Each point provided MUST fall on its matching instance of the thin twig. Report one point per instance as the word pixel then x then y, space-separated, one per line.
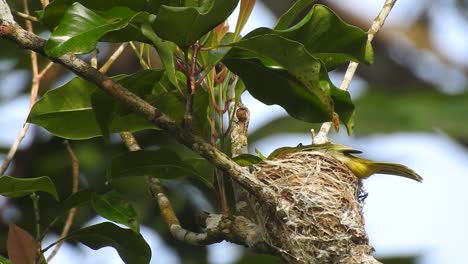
pixel 321 136
pixel 113 57
pixel 35 82
pixel 11 153
pixel 167 211
pixel 71 213
pixel 25 16
pixel 94 61
pixel 46 69
pixel 37 215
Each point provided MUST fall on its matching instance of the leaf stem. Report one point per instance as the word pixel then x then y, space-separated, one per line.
pixel 377 24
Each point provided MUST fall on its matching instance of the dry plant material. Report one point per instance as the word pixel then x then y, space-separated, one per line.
pixel 318 217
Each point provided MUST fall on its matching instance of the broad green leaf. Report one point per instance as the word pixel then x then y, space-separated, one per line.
pixel 161 163
pixel 60 106
pixel 80 28
pixel 18 187
pixel 77 199
pixel 108 111
pixel 185 25
pixel 289 67
pixel 114 207
pixel 57 8
pixel 4 260
pixel 204 169
pixel 73 102
pixel 279 71
pixel 154 5
pixel 171 102
pixel 327 37
pixel 165 50
pixel 247 159
pixel 289 16
pixel 201 126
pixel 130 246
pixel 22 247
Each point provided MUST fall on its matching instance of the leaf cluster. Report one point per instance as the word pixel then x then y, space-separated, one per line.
pixel 203 69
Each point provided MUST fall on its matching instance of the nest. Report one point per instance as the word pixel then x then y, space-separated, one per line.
pixel 318 215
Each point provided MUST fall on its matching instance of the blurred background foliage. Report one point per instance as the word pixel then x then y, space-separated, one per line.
pixel 415 85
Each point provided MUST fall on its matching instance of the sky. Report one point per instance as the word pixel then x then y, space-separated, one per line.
pixel 402 216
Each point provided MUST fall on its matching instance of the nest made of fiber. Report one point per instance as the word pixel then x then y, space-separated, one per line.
pixel 318 215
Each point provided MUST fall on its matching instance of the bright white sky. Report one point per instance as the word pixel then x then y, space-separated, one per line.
pixel 402 217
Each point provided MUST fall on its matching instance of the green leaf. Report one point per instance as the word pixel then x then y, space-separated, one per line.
pixel 289 67
pixel 185 25
pixel 154 5
pixel 165 51
pixel 4 260
pixel 80 28
pixel 114 207
pixel 77 199
pixel 344 107
pixel 279 71
pixel 162 163
pixel 57 8
pixel 73 102
pixel 18 187
pixel 327 37
pixel 289 16
pixel 171 101
pixel 204 170
pixel 112 116
pixel 201 126
pixel 132 248
pixel 247 159
pixel 69 102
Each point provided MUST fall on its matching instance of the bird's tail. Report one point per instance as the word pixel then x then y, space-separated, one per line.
pixel 395 169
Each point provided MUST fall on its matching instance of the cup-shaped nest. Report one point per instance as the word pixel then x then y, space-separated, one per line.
pixel 318 216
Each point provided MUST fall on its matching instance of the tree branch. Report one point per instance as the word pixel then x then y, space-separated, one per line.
pixel 36 81
pixel 235 229
pixel 321 137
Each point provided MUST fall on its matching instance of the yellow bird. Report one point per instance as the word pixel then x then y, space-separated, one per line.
pixel 362 168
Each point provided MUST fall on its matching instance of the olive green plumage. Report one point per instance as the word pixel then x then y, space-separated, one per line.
pixel 362 168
